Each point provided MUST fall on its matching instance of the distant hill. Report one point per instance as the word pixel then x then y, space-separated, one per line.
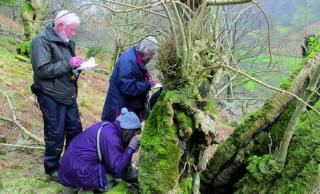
pixel 292 15
pixel 290 21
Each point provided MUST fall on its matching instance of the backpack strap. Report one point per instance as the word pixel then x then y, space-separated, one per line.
pixel 98 140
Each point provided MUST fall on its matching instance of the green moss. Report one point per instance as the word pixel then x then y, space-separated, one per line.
pixel 24 48
pixel 263 168
pixel 242 131
pixel 223 153
pixel 317 154
pixel 185 124
pixel 120 188
pixel 185 186
pixel 313 50
pixel 185 120
pixel 176 97
pixel 25 7
pixel 160 154
pixel 258 179
pixel 230 147
pixel 287 82
pixel 85 101
pixel 210 107
pixel 250 86
pixel 302 169
pixel 314 47
pixel 15 181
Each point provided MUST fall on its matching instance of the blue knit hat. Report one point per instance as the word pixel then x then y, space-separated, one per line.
pixel 128 120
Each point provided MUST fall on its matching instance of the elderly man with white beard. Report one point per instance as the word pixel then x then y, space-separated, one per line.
pixel 55 85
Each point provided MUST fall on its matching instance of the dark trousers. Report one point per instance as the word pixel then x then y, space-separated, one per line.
pixel 60 121
pixel 143 113
pixel 154 97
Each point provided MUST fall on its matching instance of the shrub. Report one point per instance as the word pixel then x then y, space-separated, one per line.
pixel 94 51
pixel 24 48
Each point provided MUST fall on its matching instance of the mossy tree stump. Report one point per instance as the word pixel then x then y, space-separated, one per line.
pixel 173 144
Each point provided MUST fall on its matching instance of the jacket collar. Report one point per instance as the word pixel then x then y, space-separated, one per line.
pixel 139 58
pixel 52 35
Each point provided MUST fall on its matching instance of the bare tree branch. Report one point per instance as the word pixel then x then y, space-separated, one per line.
pixel 6 119
pixel 22 146
pixel 23 129
pixel 238 71
pixel 269 30
pixel 227 2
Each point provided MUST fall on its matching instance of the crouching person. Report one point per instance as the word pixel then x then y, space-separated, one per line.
pixel 104 148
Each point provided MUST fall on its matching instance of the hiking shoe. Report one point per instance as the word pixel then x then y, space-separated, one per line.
pixel 54 176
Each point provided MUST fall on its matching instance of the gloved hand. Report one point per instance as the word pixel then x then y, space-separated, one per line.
pixel 135 142
pixel 153 82
pixel 75 62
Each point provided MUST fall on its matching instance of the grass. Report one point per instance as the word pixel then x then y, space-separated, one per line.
pixel 20 173
pixel 258 67
pixel 277 60
pixel 23 175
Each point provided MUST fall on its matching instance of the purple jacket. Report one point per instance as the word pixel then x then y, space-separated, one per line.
pixel 80 166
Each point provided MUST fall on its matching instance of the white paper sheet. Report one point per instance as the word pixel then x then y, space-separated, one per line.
pixel 157 86
pixel 91 63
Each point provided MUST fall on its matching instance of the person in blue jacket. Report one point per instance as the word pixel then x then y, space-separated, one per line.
pixel 104 148
pixel 130 81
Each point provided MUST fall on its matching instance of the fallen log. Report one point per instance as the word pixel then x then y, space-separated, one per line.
pixel 228 164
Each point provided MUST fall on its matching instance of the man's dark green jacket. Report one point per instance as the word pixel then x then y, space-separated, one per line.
pixel 50 57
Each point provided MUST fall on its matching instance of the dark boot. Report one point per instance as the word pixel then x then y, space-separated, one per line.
pixel 54 176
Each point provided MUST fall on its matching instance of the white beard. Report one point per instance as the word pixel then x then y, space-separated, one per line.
pixel 63 37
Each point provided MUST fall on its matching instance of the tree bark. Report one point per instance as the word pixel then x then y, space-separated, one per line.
pixel 32 13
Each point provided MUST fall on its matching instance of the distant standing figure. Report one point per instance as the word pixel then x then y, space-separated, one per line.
pixel 130 81
pixel 104 148
pixel 53 59
pixel 305 44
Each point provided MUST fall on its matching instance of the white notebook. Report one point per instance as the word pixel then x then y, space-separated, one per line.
pixel 91 63
pixel 157 86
